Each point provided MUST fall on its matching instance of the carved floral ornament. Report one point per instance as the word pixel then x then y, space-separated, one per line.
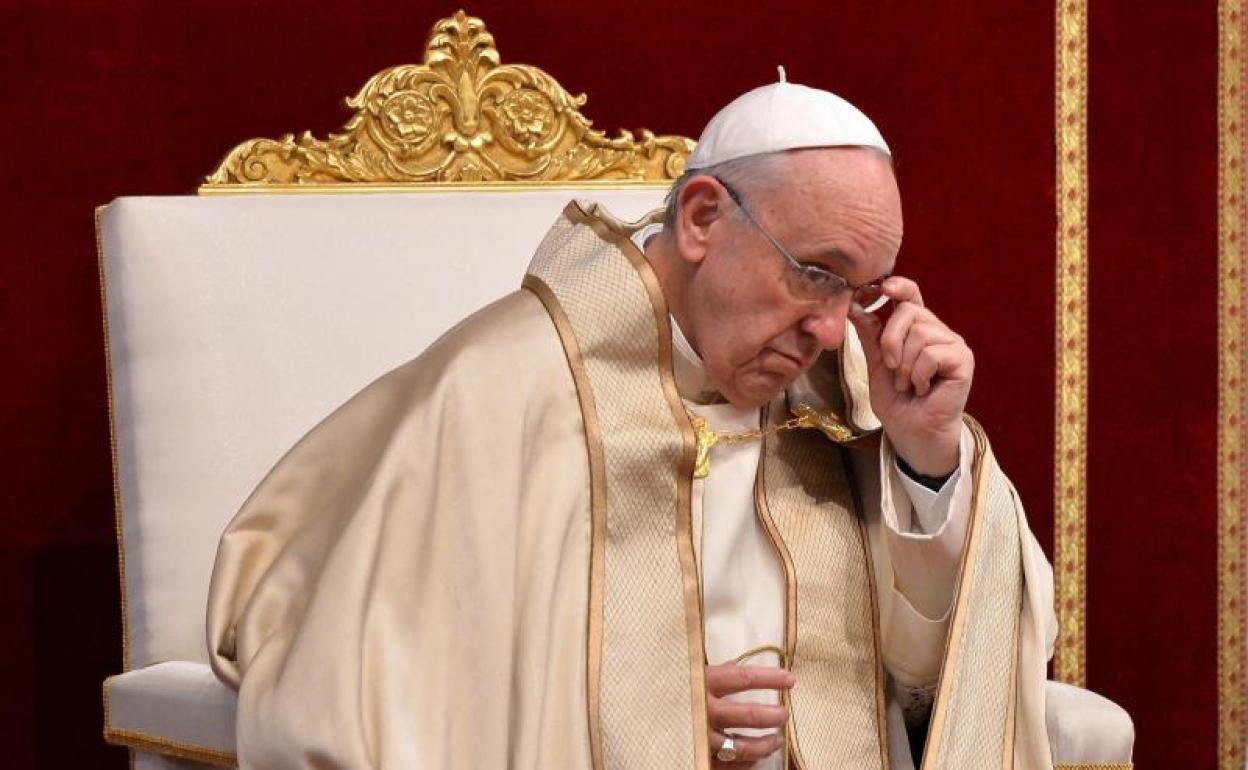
pixel 461 116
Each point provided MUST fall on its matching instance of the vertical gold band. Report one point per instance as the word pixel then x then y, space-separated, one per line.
pixel 1071 408
pixel 1231 373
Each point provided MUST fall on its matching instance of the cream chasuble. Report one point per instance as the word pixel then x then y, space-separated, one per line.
pixel 496 556
pixel 743 583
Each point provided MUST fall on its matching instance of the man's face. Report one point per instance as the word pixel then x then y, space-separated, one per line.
pixel 837 208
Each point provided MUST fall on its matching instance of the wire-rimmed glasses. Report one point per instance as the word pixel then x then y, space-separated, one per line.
pixel 813 282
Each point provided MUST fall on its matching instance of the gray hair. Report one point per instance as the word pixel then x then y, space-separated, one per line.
pixel 753 173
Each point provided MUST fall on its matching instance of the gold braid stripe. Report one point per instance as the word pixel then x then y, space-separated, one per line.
pixel 1231 377
pixel 1071 409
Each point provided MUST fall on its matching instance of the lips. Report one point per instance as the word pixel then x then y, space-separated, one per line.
pixel 790 360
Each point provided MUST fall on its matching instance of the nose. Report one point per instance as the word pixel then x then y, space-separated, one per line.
pixel 826 324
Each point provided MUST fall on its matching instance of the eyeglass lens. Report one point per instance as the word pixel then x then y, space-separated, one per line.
pixel 870 297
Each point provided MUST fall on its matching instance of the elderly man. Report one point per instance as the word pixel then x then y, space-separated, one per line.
pixel 685 500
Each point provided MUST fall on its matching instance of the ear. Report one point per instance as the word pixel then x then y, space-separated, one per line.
pixel 703 202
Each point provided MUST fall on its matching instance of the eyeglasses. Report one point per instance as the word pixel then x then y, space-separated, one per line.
pixel 814 282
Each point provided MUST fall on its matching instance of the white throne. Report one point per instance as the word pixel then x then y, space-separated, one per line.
pixel 238 318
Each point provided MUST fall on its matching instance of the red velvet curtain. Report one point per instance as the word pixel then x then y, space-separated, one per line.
pixel 102 99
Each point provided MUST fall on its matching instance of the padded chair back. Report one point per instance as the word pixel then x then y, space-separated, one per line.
pixel 235 323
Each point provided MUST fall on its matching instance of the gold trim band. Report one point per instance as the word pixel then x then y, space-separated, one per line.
pixel 597 507
pixel 112 447
pixel 981 533
pixel 1232 465
pixel 1071 408
pixel 690 586
pixel 156 744
pixel 586 256
pixel 416 187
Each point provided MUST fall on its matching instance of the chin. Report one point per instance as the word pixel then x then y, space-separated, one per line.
pixel 756 390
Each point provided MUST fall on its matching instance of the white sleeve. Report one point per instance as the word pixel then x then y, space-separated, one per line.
pixel 923 532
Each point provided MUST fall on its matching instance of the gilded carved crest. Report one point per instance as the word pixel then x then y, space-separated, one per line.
pixel 461 116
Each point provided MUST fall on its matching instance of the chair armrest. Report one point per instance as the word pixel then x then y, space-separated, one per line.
pixel 180 708
pixel 176 708
pixel 1086 730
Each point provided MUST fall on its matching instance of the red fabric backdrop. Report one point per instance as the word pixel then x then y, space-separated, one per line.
pixel 1152 429
pixel 100 99
pixel 1152 494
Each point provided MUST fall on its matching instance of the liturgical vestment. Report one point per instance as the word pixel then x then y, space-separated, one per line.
pixel 495 556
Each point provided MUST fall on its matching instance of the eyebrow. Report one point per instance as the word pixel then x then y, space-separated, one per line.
pixel 832 259
pixel 843 257
pixel 837 255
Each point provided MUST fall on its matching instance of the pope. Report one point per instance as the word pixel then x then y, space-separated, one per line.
pixel 701 493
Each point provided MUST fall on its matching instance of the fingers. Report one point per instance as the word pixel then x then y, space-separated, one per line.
pixel 921 337
pixel 748 749
pixel 869 328
pixel 902 290
pixel 729 678
pixel 905 340
pixel 951 360
pixel 893 338
pixel 725 713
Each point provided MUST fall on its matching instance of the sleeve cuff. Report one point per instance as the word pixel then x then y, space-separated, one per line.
pixel 924 530
pixel 930 506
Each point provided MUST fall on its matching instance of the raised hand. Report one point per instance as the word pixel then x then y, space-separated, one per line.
pixel 920 377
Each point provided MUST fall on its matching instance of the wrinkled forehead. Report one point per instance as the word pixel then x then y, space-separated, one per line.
pixel 847 191
pixel 830 175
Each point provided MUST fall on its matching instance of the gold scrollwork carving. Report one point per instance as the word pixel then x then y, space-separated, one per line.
pixel 461 116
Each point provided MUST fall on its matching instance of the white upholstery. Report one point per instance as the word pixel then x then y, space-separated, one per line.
pixel 179 702
pixel 236 323
pixel 1086 728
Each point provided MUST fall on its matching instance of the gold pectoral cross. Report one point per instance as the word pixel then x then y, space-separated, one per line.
pixel 706 439
pixel 805 416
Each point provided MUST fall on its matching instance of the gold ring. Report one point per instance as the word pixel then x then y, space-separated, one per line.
pixel 727 751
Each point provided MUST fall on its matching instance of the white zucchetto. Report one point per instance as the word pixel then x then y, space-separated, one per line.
pixel 783 116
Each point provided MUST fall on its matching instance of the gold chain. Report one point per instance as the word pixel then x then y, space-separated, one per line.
pixel 805 416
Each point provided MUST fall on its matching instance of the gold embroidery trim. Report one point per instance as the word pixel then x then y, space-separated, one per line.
pixel 881 699
pixel 957 624
pixel 159 745
pixel 459 116
pixel 763 512
pixel 684 520
pixel 597 508
pixel 1232 465
pixel 440 187
pixel 940 707
pixel 795 754
pixel 1096 766
pixel 1071 408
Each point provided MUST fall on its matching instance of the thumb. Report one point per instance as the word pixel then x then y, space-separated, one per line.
pixel 869 329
